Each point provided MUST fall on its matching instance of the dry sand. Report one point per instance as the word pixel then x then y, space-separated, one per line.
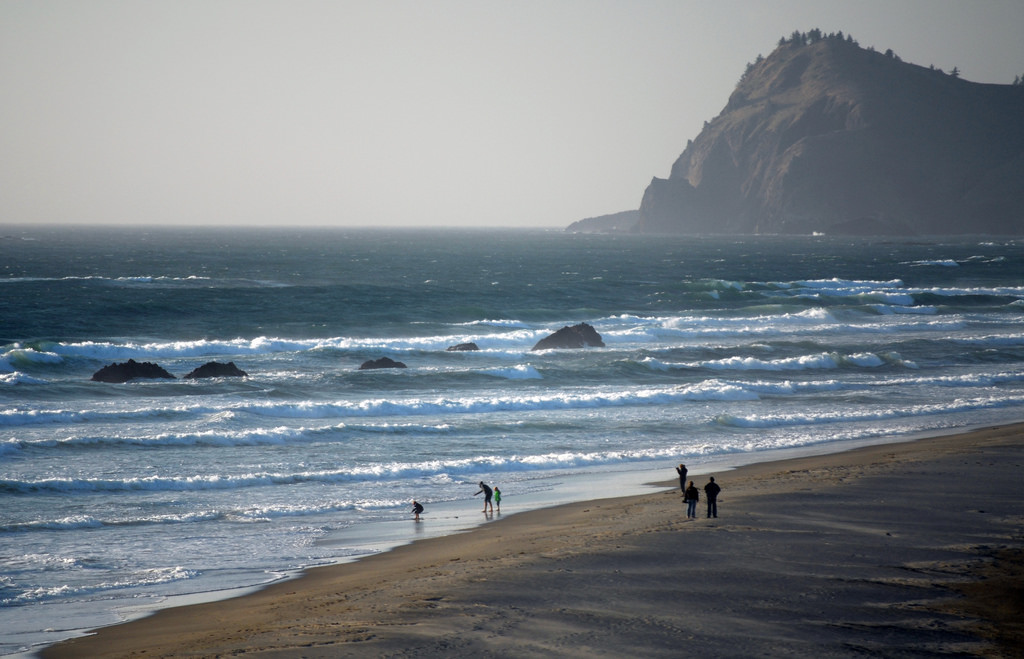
pixel 899 550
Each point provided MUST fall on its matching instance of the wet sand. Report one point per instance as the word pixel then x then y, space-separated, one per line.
pixel 901 549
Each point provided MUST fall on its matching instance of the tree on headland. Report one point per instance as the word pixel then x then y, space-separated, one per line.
pixel 751 66
pixel 815 35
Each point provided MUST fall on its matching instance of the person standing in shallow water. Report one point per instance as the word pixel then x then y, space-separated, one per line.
pixel 488 493
pixel 417 508
pixel 681 470
pixel 711 491
pixel 497 498
pixel 690 497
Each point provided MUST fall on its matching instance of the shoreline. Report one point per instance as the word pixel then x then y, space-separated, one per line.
pixel 423 594
pixel 445 518
pixel 451 517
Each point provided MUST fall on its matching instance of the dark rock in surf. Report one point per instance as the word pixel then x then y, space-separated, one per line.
pixel 217 370
pixel 130 370
pixel 383 362
pixel 463 346
pixel 577 336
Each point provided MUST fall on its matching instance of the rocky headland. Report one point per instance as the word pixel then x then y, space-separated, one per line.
pixel 823 136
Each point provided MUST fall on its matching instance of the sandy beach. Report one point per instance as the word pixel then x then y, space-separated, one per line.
pixel 907 549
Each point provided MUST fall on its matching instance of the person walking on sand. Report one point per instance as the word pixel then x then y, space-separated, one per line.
pixel 690 497
pixel 417 508
pixel 497 498
pixel 488 493
pixel 681 470
pixel 711 490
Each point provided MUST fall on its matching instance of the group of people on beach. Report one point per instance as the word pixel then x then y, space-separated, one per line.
pixel 691 495
pixel 492 497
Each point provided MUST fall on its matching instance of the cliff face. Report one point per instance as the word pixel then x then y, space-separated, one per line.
pixel 829 137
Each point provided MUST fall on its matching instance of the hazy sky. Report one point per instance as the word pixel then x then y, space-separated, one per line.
pixel 389 113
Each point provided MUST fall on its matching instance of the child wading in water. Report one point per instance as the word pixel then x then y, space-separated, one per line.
pixel 497 498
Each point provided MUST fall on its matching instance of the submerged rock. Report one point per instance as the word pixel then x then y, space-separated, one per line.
pixel 217 370
pixel 463 346
pixel 383 362
pixel 576 336
pixel 130 370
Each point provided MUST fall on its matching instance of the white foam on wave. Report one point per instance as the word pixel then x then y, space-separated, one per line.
pixel 879 414
pixel 710 390
pixel 759 388
pixel 823 360
pixel 893 292
pixel 196 348
pixel 819 361
pixel 394 471
pixel 24 417
pixel 17 377
pixel 521 339
pixel 20 356
pixel 990 340
pixel 147 576
pixel 278 435
pixel 100 278
pixel 703 327
pixel 923 310
pixel 847 286
pixel 901 298
pixel 966 380
pixel 256 513
pixel 508 323
pixel 995 291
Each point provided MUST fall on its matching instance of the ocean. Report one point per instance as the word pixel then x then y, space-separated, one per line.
pixel 116 498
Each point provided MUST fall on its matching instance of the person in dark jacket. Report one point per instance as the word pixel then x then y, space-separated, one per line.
pixel 681 470
pixel 417 508
pixel 488 493
pixel 711 490
pixel 690 497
